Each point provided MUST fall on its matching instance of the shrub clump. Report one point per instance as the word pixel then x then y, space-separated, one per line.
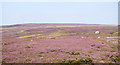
pixel 115 59
pixel 82 60
pixel 98 46
pixel 53 50
pixel 85 60
pixel 73 53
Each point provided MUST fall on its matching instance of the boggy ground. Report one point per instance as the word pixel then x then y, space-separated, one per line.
pixel 59 43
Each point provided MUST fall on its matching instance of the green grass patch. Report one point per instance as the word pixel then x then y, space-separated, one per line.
pixel 33 44
pixel 74 33
pixel 8 28
pixel 58 34
pixel 26 36
pixel 79 37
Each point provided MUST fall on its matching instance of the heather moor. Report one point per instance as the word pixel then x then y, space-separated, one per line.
pixel 59 43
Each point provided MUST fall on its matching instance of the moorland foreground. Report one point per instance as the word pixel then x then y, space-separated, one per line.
pixel 59 43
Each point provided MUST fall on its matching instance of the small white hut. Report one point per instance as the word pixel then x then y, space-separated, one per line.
pixel 97 32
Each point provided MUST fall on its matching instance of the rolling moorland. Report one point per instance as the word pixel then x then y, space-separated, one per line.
pixel 59 43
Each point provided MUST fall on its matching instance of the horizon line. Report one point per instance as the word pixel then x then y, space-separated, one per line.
pixel 58 23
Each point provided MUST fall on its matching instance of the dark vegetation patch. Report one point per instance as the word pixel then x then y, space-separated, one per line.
pixel 4 43
pixel 53 38
pixel 39 55
pixel 82 60
pixel 74 53
pixel 41 52
pixel 7 26
pixel 114 58
pixel 28 47
pixel 98 46
pixel 53 50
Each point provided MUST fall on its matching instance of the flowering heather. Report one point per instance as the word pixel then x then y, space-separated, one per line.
pixel 60 43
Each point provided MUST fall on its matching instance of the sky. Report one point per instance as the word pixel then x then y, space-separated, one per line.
pixel 59 12
pixel 59 0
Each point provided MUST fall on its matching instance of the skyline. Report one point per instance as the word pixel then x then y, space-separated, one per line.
pixel 60 12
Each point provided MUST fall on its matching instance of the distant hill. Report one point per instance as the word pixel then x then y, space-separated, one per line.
pixel 42 24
